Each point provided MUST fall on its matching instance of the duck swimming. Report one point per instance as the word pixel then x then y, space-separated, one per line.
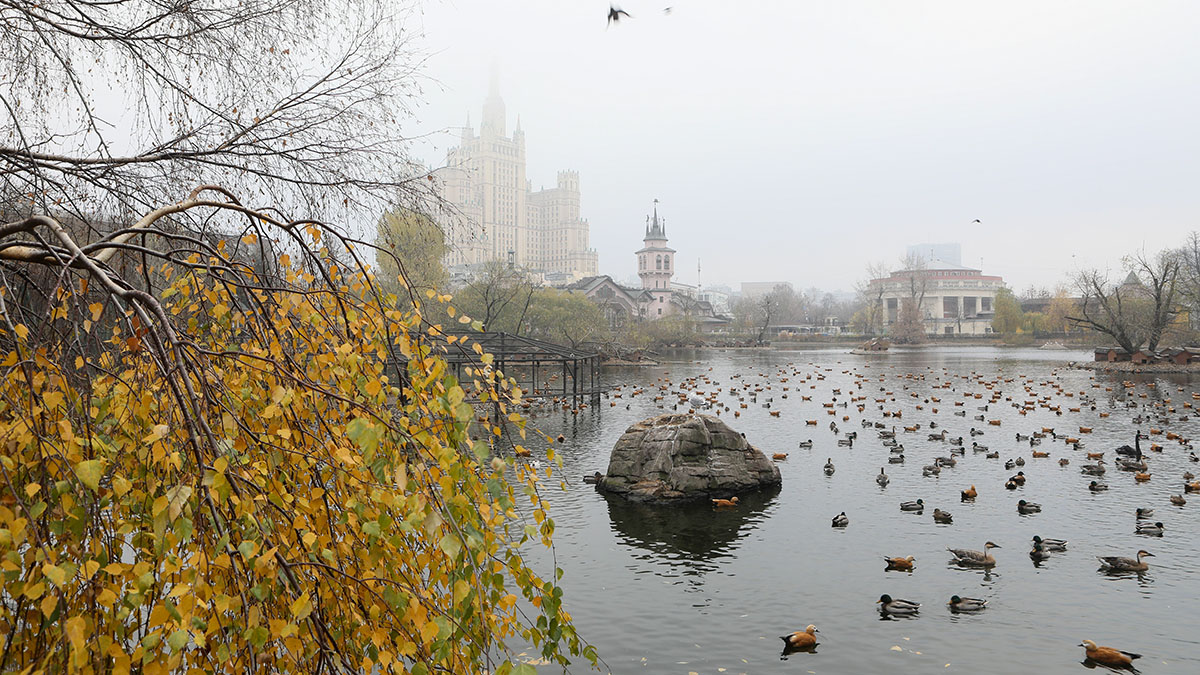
pixel 1028 507
pixel 882 478
pixel 1144 512
pixel 918 505
pixel 943 517
pixel 903 564
pixel 1097 487
pixel 1051 544
pixel 969 494
pixel 887 605
pixel 1178 500
pixel 1038 553
pixel 594 478
pixel 1151 529
pixel 965 556
pixel 1120 564
pixel 841 520
pixel 1107 655
pixel 829 467
pixel 805 444
pixel 801 639
pixel 960 604
pixel 725 503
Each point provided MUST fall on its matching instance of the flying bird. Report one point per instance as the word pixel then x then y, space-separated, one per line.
pixel 615 13
pixel 975 221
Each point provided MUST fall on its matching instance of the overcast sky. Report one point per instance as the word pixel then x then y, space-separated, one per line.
pixel 799 140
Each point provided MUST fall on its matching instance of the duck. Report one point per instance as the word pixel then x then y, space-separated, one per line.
pixel 1120 564
pixel 1191 487
pixel 965 556
pixel 947 461
pixel 1144 512
pixel 896 459
pixel 801 639
pixel 594 478
pixel 829 467
pixel 960 604
pixel 1096 469
pixel 1009 465
pixel 932 469
pixel 917 505
pixel 725 503
pixel 969 494
pixel 1038 553
pixel 1019 479
pixel 1064 461
pixel 1178 500
pixel 978 448
pixel 943 517
pixel 779 456
pixel 1051 544
pixel 888 605
pixel 992 455
pixel 976 432
pixel 1010 484
pixel 1108 656
pixel 1020 461
pixel 805 444
pixel 1150 529
pixel 841 520
pixel 882 478
pixel 1095 486
pixel 903 564
pixel 1028 507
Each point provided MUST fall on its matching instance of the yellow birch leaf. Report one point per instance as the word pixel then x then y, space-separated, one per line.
pixel 89 472
pixel 75 629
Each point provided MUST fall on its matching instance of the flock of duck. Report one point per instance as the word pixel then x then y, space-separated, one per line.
pixel 952 393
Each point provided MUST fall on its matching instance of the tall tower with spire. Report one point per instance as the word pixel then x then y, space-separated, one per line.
pixel 656 264
pixel 499 216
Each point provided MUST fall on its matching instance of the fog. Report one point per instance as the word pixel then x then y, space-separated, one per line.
pixel 798 141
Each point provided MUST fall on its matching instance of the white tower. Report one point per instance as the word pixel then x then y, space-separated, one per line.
pixel 656 265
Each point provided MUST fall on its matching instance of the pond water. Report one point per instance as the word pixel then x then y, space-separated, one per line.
pixel 689 589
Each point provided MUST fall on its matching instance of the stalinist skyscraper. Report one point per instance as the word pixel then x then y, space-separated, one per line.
pixel 500 217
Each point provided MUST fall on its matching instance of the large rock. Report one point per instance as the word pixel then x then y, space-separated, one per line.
pixel 684 457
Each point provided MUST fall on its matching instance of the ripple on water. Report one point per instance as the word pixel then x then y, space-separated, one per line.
pixel 692 589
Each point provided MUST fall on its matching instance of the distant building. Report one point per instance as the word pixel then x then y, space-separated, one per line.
pixel 499 216
pixel 947 253
pixel 757 289
pixel 717 297
pixel 954 300
pixel 656 265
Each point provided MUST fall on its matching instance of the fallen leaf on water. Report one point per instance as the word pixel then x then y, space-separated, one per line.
pixel 897 648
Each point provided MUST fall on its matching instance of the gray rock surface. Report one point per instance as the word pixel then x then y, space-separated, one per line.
pixel 684 457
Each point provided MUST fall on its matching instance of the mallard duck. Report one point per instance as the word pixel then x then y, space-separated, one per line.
pixel 829 467
pixel 1151 529
pixel 805 444
pixel 1144 512
pixel 1051 544
pixel 1120 564
pixel 1107 655
pixel 969 494
pixel 887 605
pixel 1009 465
pixel 1028 507
pixel 902 564
pixel 992 455
pixel 965 556
pixel 1022 437
pixel 725 503
pixel 801 639
pixel 960 604
pixel 976 432
pixel 918 505
pixel 896 459
pixel 882 478
pixel 947 461
pixel 1097 487
pixel 943 517
pixel 594 478
pixel 978 448
pixel 1038 553
pixel 841 520
pixel 1178 500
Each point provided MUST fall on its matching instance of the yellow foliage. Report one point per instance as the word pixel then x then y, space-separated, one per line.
pixel 259 488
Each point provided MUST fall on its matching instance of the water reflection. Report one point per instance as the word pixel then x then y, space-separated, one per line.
pixel 688 536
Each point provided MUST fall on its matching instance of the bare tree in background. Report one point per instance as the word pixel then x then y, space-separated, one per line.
pixel 870 294
pixel 109 109
pixel 1139 310
pixel 1189 278
pixel 910 324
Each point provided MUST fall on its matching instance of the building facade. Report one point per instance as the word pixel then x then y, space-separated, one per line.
pixel 952 299
pixel 498 216
pixel 656 266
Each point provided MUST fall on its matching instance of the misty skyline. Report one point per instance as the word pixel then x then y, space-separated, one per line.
pixel 800 142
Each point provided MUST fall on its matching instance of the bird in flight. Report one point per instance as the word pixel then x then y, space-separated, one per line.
pixel 975 221
pixel 615 13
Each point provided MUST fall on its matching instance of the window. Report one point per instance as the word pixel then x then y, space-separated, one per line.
pixel 666 262
pixel 658 262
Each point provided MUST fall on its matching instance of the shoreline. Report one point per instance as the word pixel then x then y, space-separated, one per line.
pixel 1128 367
